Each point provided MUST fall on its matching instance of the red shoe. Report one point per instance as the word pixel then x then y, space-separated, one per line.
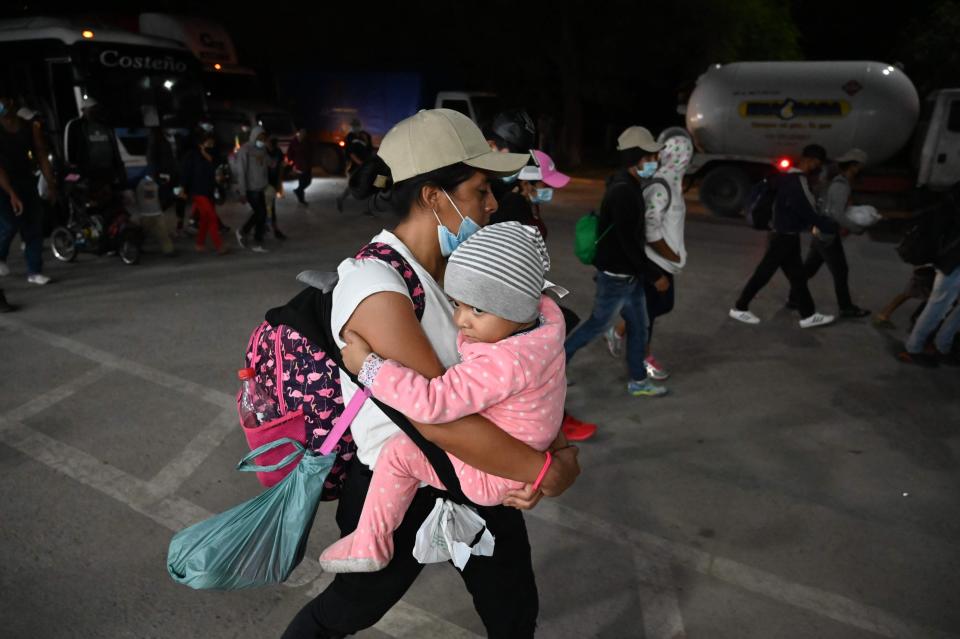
pixel 575 430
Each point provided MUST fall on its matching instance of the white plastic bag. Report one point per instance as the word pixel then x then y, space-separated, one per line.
pixel 862 215
pixel 448 531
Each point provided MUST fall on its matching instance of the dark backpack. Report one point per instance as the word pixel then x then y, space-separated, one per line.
pixel 760 203
pixel 921 244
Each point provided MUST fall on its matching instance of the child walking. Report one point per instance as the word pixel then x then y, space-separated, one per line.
pixel 512 372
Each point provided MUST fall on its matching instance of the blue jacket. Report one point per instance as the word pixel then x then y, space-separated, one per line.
pixel 795 208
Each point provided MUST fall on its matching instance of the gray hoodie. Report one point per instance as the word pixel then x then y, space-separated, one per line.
pixel 254 164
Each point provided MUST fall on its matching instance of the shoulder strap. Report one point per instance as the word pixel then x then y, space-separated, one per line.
pixel 389 255
pixel 435 455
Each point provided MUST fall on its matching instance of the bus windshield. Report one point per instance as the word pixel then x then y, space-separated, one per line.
pixel 129 82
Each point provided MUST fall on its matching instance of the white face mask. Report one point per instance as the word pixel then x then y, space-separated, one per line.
pixel 260 144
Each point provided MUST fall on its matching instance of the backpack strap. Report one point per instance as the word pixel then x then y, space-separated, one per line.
pixel 389 255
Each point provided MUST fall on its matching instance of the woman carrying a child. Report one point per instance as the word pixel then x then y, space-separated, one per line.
pixel 440 165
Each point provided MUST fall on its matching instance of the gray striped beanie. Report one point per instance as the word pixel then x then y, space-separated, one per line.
pixel 500 270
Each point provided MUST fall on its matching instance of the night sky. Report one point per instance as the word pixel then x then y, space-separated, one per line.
pixel 601 64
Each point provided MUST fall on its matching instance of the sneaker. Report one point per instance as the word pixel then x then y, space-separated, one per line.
pixel 241 239
pixel 918 359
pixel 655 371
pixel 4 269
pixel 854 312
pixel 258 248
pixel 279 235
pixel 614 342
pixel 39 279
pixel 646 388
pixel 575 430
pixel 744 316
pixel 817 319
pixel 5 306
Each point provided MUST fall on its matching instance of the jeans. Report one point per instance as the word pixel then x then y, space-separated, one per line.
pixel 783 252
pixel 258 219
pixel 503 586
pixel 29 224
pixel 303 183
pixel 946 291
pixel 623 295
pixel 835 257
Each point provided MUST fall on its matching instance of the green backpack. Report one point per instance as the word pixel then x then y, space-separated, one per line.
pixel 586 238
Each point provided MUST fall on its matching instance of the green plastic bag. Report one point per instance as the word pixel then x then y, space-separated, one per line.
pixel 261 541
pixel 585 237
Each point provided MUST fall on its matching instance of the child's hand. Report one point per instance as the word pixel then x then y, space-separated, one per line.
pixel 355 352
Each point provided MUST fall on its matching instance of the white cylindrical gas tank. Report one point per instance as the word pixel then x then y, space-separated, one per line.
pixel 773 109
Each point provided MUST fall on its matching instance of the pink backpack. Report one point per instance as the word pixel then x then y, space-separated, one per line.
pixel 306 380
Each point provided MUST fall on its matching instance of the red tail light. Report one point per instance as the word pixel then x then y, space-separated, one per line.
pixel 784 164
pixel 342 143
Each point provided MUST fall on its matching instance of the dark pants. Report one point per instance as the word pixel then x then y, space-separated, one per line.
pixel 836 259
pixel 503 587
pixel 658 303
pixel 258 219
pixel 29 224
pixel 303 182
pixel 783 252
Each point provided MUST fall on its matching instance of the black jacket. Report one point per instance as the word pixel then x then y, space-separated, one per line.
pixel 197 175
pixel 622 249
pixel 795 208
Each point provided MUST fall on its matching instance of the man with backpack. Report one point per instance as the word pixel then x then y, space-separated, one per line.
pixel 621 260
pixel 791 211
pixel 945 294
pixel 829 247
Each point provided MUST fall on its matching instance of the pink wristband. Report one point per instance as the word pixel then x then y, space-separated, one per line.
pixel 543 471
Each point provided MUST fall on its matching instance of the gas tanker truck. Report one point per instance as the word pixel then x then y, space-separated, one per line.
pixel 748 119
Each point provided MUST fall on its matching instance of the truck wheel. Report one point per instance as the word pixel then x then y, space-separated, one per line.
pixel 724 190
pixel 63 244
pixel 331 160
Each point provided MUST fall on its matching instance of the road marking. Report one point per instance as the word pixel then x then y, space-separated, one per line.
pixel 765 584
pixel 113 361
pixel 45 400
pixel 176 513
pixel 205 442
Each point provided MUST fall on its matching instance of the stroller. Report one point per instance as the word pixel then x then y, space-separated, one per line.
pixel 97 223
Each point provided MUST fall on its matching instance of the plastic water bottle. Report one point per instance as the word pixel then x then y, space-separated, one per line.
pixel 257 404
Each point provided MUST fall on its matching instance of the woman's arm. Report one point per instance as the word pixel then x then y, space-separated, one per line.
pixel 474 440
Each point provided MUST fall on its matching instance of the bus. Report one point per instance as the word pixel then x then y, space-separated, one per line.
pixel 51 65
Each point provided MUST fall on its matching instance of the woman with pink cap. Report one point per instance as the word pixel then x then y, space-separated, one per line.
pixel 537 182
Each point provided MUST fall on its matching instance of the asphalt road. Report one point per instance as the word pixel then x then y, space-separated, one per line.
pixel 794 484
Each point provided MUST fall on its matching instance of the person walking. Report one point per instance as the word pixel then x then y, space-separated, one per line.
pixel 941 317
pixel 253 177
pixel 274 190
pixel 794 211
pixel 358 148
pixel 437 168
pixel 621 260
pixel 300 154
pixel 199 183
pixel 21 211
pixel 828 247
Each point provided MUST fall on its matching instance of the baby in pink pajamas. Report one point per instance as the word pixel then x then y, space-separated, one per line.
pixel 512 372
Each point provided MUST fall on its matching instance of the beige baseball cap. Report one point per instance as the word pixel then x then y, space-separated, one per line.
pixel 435 138
pixel 853 155
pixel 637 137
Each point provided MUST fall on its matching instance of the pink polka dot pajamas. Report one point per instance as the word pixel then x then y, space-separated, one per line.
pixel 519 384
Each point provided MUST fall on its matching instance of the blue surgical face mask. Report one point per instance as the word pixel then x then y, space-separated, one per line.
pixel 3 109
pixel 649 168
pixel 542 196
pixel 260 144
pixel 448 241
